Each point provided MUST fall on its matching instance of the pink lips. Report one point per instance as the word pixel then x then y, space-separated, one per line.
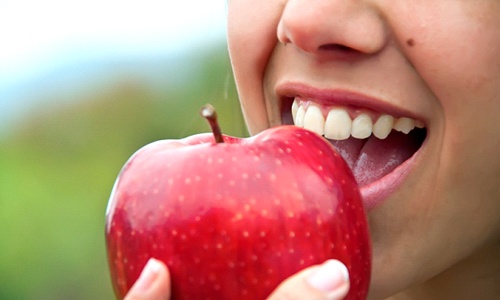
pixel 330 97
pixel 376 192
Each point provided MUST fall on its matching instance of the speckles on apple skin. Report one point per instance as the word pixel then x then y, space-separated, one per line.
pixel 272 201
pixel 237 217
pixel 221 241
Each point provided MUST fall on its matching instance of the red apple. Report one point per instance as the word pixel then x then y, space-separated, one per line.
pixel 234 218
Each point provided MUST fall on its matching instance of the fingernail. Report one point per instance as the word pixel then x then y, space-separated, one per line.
pixel 148 275
pixel 329 276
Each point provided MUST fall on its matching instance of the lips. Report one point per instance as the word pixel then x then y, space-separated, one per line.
pixel 378 142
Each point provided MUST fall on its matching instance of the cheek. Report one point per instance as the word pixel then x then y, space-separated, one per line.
pixel 455 51
pixel 460 63
pixel 251 30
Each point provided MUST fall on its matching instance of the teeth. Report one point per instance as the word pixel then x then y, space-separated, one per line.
pixel 362 126
pixel 404 125
pixel 295 108
pixel 339 126
pixel 314 120
pixel 299 118
pixel 383 126
pixel 419 124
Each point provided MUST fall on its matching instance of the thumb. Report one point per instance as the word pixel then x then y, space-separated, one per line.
pixel 152 284
pixel 328 281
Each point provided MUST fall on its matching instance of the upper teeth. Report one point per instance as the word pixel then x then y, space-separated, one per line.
pixel 338 125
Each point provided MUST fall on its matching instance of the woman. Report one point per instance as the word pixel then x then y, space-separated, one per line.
pixel 409 92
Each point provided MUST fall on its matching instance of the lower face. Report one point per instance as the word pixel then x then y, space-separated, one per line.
pixel 410 98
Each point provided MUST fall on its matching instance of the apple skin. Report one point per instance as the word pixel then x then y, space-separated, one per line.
pixel 232 220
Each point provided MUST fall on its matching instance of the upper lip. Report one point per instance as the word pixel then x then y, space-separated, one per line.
pixel 341 97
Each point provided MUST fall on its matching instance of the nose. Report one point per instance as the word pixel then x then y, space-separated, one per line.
pixel 332 26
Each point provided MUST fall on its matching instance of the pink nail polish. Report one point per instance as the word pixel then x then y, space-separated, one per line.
pixel 331 275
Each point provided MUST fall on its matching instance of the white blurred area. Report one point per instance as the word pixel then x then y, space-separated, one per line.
pixel 38 39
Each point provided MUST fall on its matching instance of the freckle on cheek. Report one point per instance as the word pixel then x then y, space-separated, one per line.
pixel 410 42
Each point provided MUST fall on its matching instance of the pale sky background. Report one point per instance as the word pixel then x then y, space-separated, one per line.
pixel 36 35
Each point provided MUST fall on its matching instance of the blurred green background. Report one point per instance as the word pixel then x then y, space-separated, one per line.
pixel 58 163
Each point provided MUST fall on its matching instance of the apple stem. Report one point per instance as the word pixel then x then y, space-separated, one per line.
pixel 208 112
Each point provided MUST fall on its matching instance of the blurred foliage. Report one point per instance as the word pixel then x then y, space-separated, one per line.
pixel 58 167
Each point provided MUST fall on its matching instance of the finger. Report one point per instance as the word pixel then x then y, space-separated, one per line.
pixel 328 281
pixel 152 284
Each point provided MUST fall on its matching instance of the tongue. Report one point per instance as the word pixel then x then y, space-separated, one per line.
pixel 372 158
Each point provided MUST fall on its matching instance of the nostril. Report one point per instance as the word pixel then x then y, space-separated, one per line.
pixel 340 52
pixel 336 47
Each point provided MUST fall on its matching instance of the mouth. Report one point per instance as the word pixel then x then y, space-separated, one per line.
pixel 379 146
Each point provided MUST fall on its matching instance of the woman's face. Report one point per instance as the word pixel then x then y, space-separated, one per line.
pixel 360 67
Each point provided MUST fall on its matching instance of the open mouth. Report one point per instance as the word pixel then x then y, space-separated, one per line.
pixel 373 144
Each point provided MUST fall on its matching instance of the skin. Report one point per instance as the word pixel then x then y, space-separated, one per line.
pixel 438 235
pixel 153 284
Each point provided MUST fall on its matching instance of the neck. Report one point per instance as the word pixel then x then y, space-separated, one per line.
pixel 476 277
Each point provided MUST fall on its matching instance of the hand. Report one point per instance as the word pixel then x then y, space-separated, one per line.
pixel 328 281
pixel 152 284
